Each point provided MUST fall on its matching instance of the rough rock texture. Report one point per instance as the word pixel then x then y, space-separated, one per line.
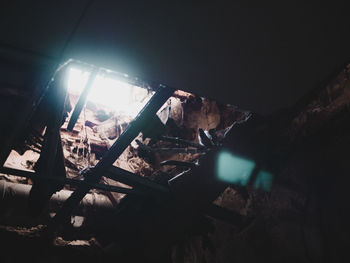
pixel 23 244
pixel 304 218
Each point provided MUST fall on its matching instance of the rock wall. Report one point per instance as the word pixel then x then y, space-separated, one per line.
pixel 304 218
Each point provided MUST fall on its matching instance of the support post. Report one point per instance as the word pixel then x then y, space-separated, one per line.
pixel 82 100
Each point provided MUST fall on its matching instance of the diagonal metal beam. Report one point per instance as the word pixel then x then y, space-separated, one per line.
pixel 135 127
pixel 129 178
pixel 82 100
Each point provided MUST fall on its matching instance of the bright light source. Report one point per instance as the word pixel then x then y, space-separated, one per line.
pixel 115 94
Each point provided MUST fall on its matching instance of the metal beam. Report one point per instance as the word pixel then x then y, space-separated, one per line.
pixel 72 182
pixel 178 141
pixel 124 140
pixel 129 178
pixel 82 100
pixel 25 117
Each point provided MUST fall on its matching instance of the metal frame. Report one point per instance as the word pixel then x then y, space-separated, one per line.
pixel 51 148
pixel 94 175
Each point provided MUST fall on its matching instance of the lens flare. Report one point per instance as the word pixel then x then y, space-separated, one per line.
pixel 233 169
pixel 263 180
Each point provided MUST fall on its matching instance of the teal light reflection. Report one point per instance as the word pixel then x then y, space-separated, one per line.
pixel 233 169
pixel 263 180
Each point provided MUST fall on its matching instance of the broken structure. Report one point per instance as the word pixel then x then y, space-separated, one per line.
pixel 150 186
